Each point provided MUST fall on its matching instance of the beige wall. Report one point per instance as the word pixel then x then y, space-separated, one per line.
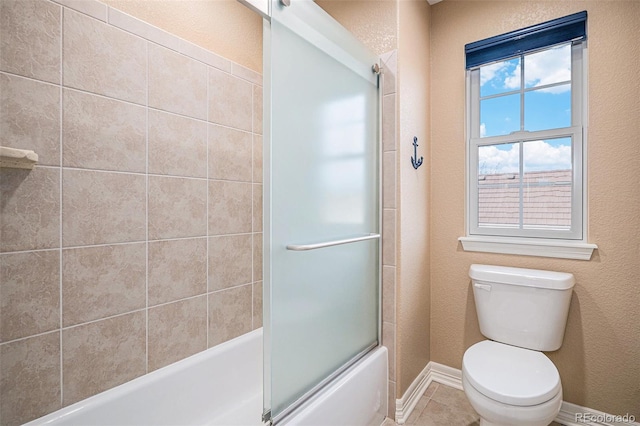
pixel 134 242
pixel 222 26
pixel 413 292
pixel 373 22
pixel 598 362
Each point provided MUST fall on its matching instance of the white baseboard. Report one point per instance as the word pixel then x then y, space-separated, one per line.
pixel 570 414
pixel 433 372
pixel 576 415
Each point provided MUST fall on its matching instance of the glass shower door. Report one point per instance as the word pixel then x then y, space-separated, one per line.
pixel 321 203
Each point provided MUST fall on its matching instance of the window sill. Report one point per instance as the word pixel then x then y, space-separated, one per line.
pixel 529 247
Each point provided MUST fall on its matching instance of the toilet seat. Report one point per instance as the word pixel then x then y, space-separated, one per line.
pixel 511 375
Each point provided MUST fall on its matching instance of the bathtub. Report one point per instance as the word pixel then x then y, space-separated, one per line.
pixel 223 386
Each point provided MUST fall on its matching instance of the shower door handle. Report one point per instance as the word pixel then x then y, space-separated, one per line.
pixel 304 247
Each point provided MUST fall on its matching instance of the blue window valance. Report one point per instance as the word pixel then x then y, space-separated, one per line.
pixel 556 31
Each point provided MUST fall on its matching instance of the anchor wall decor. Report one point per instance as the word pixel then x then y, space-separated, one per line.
pixel 414 161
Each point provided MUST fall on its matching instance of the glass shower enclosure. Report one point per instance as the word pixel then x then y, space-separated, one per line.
pixel 321 203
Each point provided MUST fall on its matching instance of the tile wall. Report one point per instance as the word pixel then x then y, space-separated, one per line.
pixel 136 241
pixel 389 205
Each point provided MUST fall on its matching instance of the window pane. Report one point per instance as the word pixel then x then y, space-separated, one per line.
pixel 547 184
pixel 548 108
pixel 500 116
pixel 500 77
pixel 548 66
pixel 499 185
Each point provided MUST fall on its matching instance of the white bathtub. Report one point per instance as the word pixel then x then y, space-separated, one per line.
pixel 223 386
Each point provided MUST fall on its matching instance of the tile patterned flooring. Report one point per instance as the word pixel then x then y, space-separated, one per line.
pixel 442 405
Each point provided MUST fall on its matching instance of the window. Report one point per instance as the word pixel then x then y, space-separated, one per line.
pixel 526 137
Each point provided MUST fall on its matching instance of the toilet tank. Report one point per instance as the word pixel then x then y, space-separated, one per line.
pixel 522 307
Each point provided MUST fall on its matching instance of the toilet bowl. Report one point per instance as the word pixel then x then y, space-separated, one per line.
pixel 508 380
pixel 508 386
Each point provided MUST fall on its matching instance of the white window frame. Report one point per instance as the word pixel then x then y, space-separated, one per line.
pixel 515 240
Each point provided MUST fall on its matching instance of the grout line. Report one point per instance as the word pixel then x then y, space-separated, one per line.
pixel 13 74
pixel 253 245
pixel 60 146
pixel 158 240
pixel 183 299
pixel 19 339
pixel 69 327
pixel 146 217
pixel 207 207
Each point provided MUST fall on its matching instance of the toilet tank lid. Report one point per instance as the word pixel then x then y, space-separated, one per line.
pixel 522 277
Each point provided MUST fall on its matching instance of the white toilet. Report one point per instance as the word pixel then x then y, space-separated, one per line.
pixel 507 380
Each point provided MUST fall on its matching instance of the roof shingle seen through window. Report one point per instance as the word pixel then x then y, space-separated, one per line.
pixel 546 199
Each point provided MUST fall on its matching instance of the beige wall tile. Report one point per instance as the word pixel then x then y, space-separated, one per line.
pixel 257 208
pixel 257 158
pixel 389 180
pixel 257 257
pixel 389 123
pixel 30 38
pixel 257 305
pixel 29 293
pixel 177 83
pixel 389 340
pixel 29 378
pixel 30 117
pixel 176 331
pixel 389 237
pixel 101 133
pixel 390 66
pixel 230 205
pixel 230 154
pixel 229 314
pixel 102 59
pixel 389 294
pixel 229 100
pixel 177 269
pixel 103 354
pixel 391 408
pixel 30 209
pixel 229 261
pixel 246 74
pixel 177 145
pixel 204 55
pixel 99 282
pixel 92 8
pixel 257 109
pixel 96 208
pixel 177 207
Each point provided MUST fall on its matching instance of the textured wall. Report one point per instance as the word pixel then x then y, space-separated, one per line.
pixel 413 292
pixel 137 239
pixel 222 26
pixel 598 362
pixel 373 22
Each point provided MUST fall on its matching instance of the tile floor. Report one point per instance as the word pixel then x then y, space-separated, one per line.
pixel 442 405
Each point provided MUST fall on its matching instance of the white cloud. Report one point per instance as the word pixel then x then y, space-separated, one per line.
pixel 483 130
pixel 548 67
pixel 492 160
pixel 542 68
pixel 538 155
pixel 488 72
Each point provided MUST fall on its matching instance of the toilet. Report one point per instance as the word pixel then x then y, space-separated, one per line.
pixel 508 380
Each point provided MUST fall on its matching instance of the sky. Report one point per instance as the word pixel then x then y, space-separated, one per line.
pixel 545 108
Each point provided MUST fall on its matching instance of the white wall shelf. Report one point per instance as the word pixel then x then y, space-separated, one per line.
pixel 17 158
